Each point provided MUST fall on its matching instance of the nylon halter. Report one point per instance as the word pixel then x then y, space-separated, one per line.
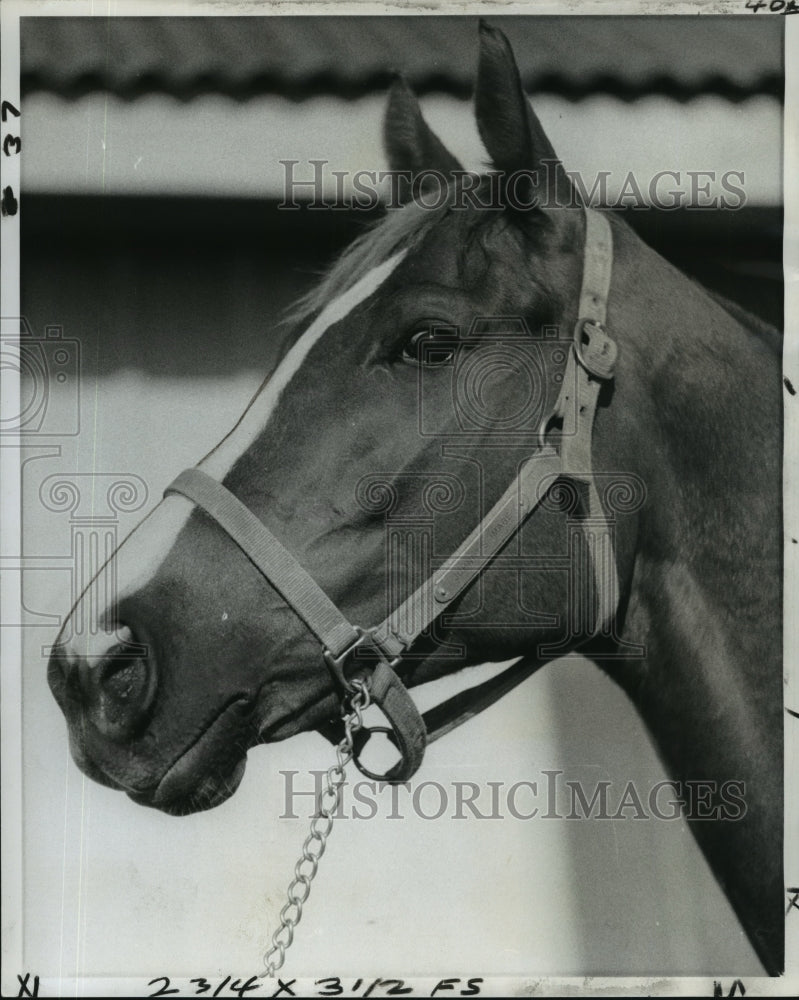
pixel 352 651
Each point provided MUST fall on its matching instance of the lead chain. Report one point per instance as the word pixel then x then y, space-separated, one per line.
pixel 299 890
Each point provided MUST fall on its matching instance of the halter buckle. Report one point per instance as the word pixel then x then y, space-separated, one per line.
pixel 595 349
pixel 365 638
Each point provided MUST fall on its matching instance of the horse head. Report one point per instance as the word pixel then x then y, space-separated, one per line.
pixel 416 388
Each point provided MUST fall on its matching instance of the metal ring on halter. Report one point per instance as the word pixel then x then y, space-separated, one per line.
pixel 362 738
pixel 336 664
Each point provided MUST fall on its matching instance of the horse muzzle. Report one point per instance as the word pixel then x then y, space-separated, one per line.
pixel 109 700
pixel 210 769
pixel 113 688
pixel 178 794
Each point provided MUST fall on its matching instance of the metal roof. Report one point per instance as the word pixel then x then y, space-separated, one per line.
pixel 680 57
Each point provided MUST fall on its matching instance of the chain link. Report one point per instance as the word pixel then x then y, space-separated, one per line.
pixel 299 890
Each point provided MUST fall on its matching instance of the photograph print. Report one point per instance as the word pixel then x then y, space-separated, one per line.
pixel 399 478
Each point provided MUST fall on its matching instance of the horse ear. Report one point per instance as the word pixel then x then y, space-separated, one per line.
pixel 509 128
pixel 410 143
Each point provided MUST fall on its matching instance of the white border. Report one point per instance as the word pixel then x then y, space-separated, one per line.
pixel 10 638
pixel 12 834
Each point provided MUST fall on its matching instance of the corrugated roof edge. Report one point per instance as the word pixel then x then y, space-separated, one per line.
pixel 329 84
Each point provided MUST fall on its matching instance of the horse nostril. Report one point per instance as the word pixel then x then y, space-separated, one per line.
pixel 122 688
pixel 113 687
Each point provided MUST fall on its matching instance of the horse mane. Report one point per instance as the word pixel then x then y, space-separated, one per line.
pixel 400 229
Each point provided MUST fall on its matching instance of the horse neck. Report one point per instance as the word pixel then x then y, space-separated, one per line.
pixel 700 394
pixel 698 401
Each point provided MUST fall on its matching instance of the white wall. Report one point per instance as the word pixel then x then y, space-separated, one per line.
pixel 216 146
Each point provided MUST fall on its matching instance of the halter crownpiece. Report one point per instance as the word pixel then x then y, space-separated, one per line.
pixel 591 362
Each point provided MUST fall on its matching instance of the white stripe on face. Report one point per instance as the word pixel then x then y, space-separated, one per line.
pixel 138 559
pixel 255 418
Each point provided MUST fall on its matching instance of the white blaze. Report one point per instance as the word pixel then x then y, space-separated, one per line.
pixel 139 557
pixel 255 418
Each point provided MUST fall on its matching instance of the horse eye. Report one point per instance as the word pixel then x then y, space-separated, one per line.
pixel 431 344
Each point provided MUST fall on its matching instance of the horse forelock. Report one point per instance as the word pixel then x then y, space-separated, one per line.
pixel 400 229
pixel 403 228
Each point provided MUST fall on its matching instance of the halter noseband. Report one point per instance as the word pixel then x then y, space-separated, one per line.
pixel 590 363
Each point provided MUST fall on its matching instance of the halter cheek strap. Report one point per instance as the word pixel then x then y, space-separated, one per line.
pixel 351 651
pixel 591 363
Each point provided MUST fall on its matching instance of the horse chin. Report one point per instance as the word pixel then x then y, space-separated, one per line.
pixel 209 771
pixel 212 790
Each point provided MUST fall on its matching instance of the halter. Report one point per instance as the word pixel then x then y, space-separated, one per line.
pixel 371 655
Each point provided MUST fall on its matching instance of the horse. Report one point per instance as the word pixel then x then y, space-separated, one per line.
pixel 432 389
